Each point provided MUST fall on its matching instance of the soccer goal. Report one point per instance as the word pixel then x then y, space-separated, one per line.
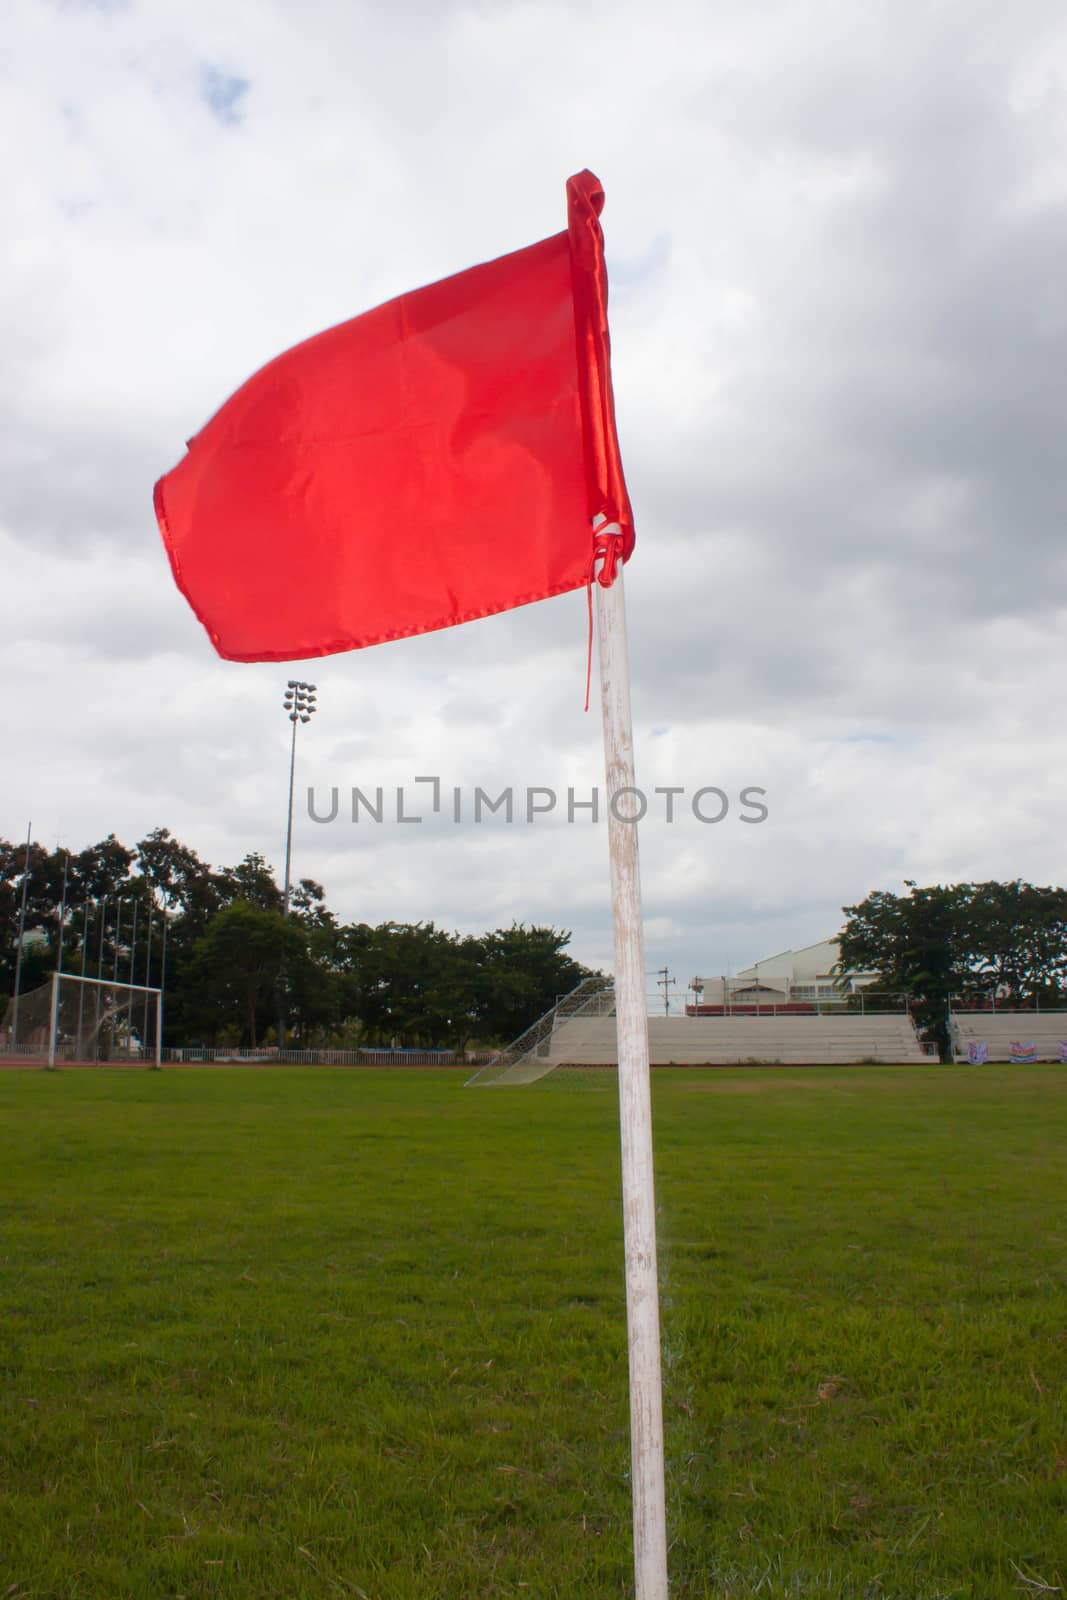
pixel 85 1020
pixel 556 1040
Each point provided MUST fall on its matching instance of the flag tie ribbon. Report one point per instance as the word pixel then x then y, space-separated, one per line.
pixel 607 549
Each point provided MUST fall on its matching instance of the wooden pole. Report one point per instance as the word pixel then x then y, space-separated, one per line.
pixel 635 1105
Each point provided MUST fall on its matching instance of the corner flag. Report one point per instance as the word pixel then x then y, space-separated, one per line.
pixel 435 460
pixel 450 455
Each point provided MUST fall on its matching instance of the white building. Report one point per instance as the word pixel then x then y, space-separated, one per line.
pixel 793 977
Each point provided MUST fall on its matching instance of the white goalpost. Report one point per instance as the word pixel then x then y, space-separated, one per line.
pixel 128 1020
pixel 86 1020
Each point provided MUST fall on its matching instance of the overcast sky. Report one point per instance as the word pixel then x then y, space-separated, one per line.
pixel 837 237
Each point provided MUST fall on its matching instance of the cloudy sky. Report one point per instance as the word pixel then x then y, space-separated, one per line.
pixel 837 237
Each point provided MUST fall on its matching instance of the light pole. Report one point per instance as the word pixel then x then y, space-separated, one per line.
pixel 299 706
pixel 299 703
pixel 22 935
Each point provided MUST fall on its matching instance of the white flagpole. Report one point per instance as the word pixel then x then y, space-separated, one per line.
pixel 635 1103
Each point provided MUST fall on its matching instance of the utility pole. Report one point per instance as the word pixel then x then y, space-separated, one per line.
pixel 665 981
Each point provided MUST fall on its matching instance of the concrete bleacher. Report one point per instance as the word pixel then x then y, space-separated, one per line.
pixel 1000 1029
pixel 731 1041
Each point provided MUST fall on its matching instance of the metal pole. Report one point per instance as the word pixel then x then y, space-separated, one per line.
pixel 159 1027
pixel 133 963
pixel 81 991
pixel 100 972
pixel 22 932
pixel 147 979
pixel 53 1022
pixel 62 915
pixel 635 1109
pixel 283 998
pixel 118 933
pixel 289 826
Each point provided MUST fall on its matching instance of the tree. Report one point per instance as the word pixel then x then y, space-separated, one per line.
pixel 99 872
pixel 252 880
pixel 521 973
pixel 917 944
pixel 960 941
pixel 175 874
pixel 235 968
pixel 414 983
pixel 1018 941
pixel 230 955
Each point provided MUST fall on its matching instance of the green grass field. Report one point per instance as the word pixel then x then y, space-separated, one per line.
pixel 319 1333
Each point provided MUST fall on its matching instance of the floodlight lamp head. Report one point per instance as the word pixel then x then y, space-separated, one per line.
pixel 292 716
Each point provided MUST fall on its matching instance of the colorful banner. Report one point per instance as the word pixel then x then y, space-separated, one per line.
pixel 1022 1054
pixel 1063 1052
pixel 978 1054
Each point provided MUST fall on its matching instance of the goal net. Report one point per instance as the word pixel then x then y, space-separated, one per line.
pixel 86 1020
pixel 558 1040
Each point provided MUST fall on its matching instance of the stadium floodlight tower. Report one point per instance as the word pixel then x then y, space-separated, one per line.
pixel 299 705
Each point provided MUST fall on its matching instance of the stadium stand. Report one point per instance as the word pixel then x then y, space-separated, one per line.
pixel 999 1030
pixel 730 1040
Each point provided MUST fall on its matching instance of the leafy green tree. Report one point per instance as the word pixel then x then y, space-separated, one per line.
pixel 1017 941
pixel 968 941
pixel 252 880
pixel 918 945
pixel 100 871
pixel 235 969
pixel 175 874
pixel 521 972
pixel 91 876
pixel 416 986
pixel 307 900
pixel 232 959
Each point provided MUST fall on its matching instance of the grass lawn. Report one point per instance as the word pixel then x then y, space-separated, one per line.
pixel 310 1333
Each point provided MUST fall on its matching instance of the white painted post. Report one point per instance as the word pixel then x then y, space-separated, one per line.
pixel 159 1031
pixel 635 1106
pixel 53 1022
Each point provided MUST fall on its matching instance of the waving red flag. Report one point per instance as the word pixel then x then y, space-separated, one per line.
pixel 435 460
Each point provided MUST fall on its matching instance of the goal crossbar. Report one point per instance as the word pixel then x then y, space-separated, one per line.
pixel 106 983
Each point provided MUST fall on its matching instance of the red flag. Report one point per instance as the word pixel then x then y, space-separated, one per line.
pixel 435 460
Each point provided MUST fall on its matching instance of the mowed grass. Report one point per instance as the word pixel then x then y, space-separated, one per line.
pixel 322 1333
